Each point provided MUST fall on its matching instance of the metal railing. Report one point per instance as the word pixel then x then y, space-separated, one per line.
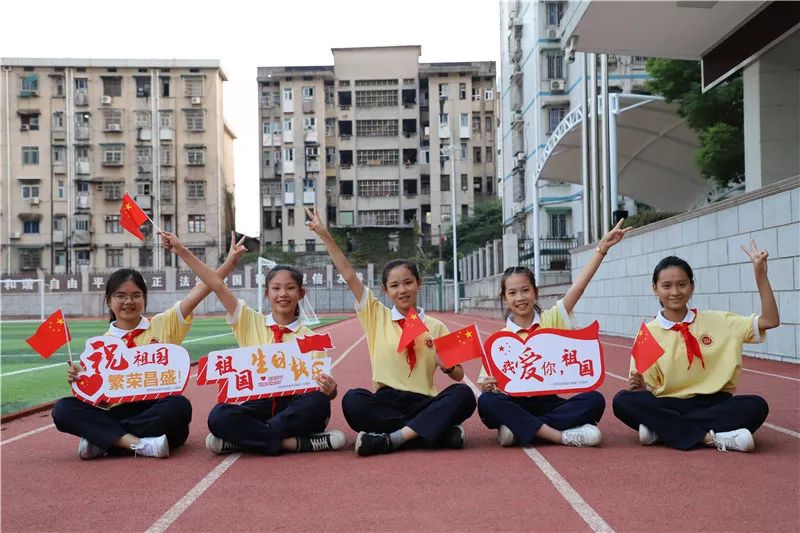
pixel 553 253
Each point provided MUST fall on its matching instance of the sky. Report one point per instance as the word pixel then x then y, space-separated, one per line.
pixel 244 35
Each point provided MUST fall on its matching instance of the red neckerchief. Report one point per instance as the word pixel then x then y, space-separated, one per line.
pixel 278 331
pixel 130 336
pixel 411 354
pixel 529 330
pixel 692 346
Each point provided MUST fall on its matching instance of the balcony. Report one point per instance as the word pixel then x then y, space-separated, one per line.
pixel 58 236
pixel 145 201
pixel 81 98
pixel 308 106
pixel 58 136
pixel 165 134
pixel 82 167
pixel 553 253
pixel 309 197
pixel 144 134
pixel 311 136
pixel 464 132
pixel 288 198
pixel 288 167
pixel 59 167
pixel 288 106
pixel 312 165
pixel 444 131
pixel 82 133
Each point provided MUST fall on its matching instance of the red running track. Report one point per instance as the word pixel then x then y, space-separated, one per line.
pixel 621 485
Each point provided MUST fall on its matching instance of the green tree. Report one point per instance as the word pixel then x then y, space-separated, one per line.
pixel 482 227
pixel 717 115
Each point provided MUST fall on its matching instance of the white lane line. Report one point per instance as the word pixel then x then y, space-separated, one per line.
pixel 578 504
pixel 26 370
pixel 168 518
pixel 789 432
pixel 28 434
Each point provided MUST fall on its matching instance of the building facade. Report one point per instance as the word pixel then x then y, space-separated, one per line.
pixel 540 83
pixel 79 133
pixel 374 140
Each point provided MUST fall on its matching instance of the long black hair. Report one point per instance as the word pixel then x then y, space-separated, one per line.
pixel 510 271
pixel 296 275
pixel 117 279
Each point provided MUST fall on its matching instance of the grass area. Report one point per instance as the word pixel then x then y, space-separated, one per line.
pixel 48 382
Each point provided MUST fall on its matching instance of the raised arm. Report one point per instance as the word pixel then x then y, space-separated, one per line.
pixel 340 261
pixel 588 271
pixel 769 317
pixel 212 281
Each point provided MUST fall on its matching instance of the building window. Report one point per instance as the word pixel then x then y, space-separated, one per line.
pixel 558 225
pixel 555 114
pixel 288 154
pixel 476 124
pixel 376 128
pixel 143 119
pixel 379 217
pixel 32 226
pixel 197 223
pixel 112 155
pixel 555 10
pixel 476 94
pixel 29 85
pixel 195 119
pixel 445 183
pixel 81 224
pixel 489 186
pixel 112 119
pixel 164 81
pixel 112 190
pixel 60 190
pixel 329 95
pixel 308 93
pixel 464 182
pixel 288 94
pixel 476 154
pixel 309 124
pixel 165 119
pixel 446 212
pixel 29 121
pixel 425 184
pixel 290 216
pixel 192 86
pixel 477 184
pixel 288 126
pixel 462 151
pixel 444 90
pixel 146 256
pixel 142 86
pixel 489 154
pixel 488 94
pixel 195 190
pixel 30 155
pixel 377 158
pixel 166 192
pixel 113 258
pixel 143 188
pixel 30 258
pixel 112 86
pixel 489 120
pixel 462 91
pixel 112 224
pixel 377 188
pixel 166 155
pixel 200 253
pixel 58 120
pixel 376 98
pixel 444 119
pixel 30 191
pixel 58 86
pixel 195 155
pixel 555 65
pixel 311 245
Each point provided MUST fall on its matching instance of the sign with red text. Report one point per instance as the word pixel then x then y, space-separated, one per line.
pixel 267 370
pixel 549 361
pixel 115 373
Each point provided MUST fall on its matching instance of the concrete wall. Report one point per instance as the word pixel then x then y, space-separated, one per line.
pixel 620 295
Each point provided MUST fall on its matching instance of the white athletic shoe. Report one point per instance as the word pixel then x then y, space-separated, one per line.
pixel 505 437
pixel 646 436
pixel 152 447
pixel 740 440
pixel 87 450
pixel 218 446
pixel 585 435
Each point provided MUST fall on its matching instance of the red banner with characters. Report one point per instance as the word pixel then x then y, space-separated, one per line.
pixel 549 361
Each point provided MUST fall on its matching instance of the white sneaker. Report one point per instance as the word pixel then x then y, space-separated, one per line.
pixel 740 440
pixel 152 447
pixel 218 446
pixel 505 437
pixel 320 442
pixel 646 436
pixel 585 435
pixel 87 450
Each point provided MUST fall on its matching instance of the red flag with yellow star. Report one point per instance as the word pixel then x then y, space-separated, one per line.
pixel 131 216
pixel 51 335
pixel 413 327
pixel 645 350
pixel 459 346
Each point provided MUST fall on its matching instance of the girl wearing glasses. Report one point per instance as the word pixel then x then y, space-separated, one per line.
pixel 522 420
pixel 150 428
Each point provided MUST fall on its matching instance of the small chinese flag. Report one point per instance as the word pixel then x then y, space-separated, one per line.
pixel 459 346
pixel 645 350
pixel 51 335
pixel 131 216
pixel 413 327
pixel 315 343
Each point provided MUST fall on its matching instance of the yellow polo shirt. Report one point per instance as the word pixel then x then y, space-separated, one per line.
pixel 556 317
pixel 390 368
pixel 252 328
pixel 169 327
pixel 720 336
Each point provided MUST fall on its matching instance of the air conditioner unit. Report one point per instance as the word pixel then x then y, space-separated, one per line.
pixel 552 34
pixel 105 100
pixel 556 85
pixel 35 201
pixel 16 235
pixel 24 127
pixel 520 157
pixel 516 116
pixel 196 100
pixel 114 127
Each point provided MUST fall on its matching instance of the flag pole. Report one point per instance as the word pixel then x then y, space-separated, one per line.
pixel 66 334
pixel 158 230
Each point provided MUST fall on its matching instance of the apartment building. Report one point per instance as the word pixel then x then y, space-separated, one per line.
pixel 377 139
pixel 79 133
pixel 540 84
